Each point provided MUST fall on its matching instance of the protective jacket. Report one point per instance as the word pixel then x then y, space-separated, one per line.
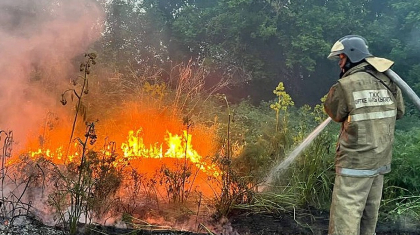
pixel 367 103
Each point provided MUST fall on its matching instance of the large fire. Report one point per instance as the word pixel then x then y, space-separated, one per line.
pixel 178 147
pixel 144 139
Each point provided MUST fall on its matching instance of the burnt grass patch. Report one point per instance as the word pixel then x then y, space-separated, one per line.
pixel 313 222
pixel 240 222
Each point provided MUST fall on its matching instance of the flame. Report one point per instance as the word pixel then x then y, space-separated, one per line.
pixel 147 140
pixel 178 147
pixel 135 147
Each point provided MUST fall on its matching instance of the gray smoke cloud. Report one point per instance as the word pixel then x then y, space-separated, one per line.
pixel 38 40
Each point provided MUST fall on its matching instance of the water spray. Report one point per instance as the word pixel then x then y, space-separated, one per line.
pixel 292 156
pixel 295 153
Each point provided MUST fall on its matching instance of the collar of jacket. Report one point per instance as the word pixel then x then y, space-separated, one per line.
pixel 355 69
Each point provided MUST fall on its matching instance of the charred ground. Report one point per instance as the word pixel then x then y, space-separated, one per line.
pixel 239 223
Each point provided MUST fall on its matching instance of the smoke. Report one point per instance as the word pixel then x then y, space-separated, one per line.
pixel 38 40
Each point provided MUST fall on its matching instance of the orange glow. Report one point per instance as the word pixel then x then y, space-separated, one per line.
pixel 178 147
pixel 144 138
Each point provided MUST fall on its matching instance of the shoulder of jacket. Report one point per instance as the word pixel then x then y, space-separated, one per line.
pixel 356 75
pixel 359 71
pixel 356 69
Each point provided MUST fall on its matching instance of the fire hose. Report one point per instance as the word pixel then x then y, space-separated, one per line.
pixel 404 87
pixel 275 171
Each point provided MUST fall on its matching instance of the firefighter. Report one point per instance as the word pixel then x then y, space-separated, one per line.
pixel 366 103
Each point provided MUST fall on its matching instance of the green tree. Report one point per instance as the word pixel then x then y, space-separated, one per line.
pixel 259 43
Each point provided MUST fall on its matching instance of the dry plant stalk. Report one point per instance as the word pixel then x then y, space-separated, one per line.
pixel 190 85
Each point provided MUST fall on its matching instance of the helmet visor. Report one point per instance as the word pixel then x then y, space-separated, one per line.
pixel 336 50
pixel 334 55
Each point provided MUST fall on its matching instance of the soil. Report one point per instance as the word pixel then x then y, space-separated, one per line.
pixel 309 223
pixel 239 223
pixel 272 224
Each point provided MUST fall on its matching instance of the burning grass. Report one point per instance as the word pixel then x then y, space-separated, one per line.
pixel 148 158
pixel 154 158
pixel 132 134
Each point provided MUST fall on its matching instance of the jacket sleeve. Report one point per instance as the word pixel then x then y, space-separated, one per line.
pixel 335 104
pixel 400 104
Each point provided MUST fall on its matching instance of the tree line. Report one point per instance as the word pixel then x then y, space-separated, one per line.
pixel 259 43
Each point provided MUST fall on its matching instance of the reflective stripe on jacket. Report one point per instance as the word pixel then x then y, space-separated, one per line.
pixel 367 103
